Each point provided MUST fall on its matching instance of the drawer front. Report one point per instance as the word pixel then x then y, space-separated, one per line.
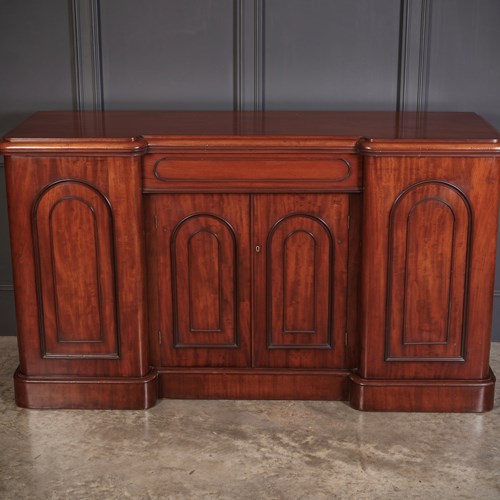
pixel 185 173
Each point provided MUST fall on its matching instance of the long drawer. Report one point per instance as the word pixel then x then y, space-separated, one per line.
pixel 188 173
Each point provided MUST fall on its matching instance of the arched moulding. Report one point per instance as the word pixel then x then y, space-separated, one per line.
pixel 204 282
pixel 428 269
pixel 300 283
pixel 73 234
pixel 299 297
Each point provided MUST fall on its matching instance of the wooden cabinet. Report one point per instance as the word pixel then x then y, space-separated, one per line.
pixel 220 276
pixel 341 256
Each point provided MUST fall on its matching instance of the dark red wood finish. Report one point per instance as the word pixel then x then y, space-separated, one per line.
pixel 324 385
pixel 272 171
pixel 203 273
pixel 294 255
pixel 427 276
pixel 300 274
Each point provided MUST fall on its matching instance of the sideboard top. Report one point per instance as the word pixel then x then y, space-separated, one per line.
pixel 136 131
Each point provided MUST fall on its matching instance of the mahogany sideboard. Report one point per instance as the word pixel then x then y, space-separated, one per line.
pixel 275 255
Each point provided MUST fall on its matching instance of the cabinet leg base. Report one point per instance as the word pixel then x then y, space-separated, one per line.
pixel 135 393
pixel 113 393
pixel 422 395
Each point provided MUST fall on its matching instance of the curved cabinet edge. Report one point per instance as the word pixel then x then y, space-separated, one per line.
pixel 367 146
pixel 89 393
pixel 472 396
pixel 67 147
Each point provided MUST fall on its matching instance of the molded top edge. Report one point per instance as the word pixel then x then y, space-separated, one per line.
pixel 133 131
pixel 133 145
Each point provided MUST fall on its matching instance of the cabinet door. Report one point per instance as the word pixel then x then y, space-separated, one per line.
pixel 73 236
pixel 202 267
pixel 76 225
pixel 300 245
pixel 429 228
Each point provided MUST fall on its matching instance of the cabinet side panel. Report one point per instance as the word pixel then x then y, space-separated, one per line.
pixel 429 232
pixel 354 278
pixel 75 271
pixel 428 278
pixel 428 268
pixel 78 260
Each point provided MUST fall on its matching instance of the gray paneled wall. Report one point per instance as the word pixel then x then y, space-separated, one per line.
pixel 331 55
pixel 177 55
pixel 244 55
pixel 36 72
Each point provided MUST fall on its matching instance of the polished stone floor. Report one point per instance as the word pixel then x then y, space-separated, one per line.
pixel 244 450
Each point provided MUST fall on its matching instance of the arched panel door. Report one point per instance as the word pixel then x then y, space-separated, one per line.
pixel 300 262
pixel 203 280
pixel 73 237
pixel 429 236
pixel 300 280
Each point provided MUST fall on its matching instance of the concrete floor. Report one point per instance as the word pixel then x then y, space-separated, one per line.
pixel 244 450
